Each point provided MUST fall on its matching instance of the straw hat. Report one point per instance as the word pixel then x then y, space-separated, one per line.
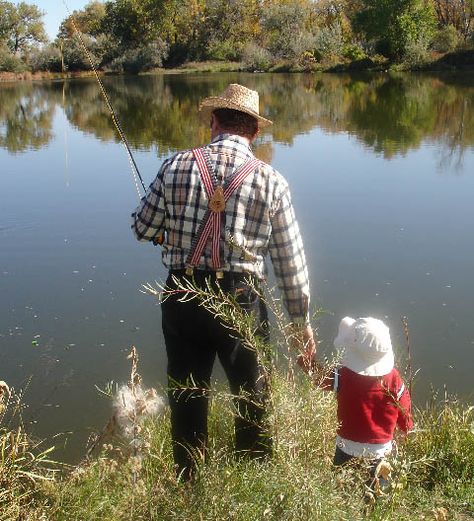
pixel 235 97
pixel 367 346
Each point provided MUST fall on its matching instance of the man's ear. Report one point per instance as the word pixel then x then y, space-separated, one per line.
pixel 255 135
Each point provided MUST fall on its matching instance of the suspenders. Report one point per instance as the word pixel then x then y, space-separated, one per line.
pixel 212 222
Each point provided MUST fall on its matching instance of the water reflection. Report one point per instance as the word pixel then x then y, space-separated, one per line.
pixel 389 113
pixel 26 117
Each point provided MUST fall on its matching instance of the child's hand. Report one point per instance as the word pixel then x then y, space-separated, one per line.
pixel 305 342
pixel 307 362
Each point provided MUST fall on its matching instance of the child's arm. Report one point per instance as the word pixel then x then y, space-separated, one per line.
pixel 327 378
pixel 324 377
pixel 304 341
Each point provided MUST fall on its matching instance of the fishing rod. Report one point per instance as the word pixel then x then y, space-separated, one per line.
pixel 136 173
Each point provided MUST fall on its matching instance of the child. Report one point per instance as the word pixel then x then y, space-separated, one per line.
pixel 372 399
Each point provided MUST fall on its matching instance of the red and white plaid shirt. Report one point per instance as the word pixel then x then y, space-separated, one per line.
pixel 259 219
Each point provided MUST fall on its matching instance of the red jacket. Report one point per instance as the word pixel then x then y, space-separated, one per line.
pixel 370 407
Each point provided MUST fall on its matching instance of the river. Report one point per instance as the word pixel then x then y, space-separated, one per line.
pixel 381 169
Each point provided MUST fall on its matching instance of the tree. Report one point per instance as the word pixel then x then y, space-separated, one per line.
pixel 6 14
pixel 137 22
pixel 228 25
pixel 456 13
pixel 284 23
pixel 397 25
pixel 88 20
pixel 186 26
pixel 21 26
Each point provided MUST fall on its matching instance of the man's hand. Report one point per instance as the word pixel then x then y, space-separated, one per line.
pixel 303 340
pixel 158 241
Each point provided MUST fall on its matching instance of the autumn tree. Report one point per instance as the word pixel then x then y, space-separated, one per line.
pixel 456 13
pixel 135 22
pixel 228 25
pixel 185 31
pixel 21 26
pixel 88 20
pixel 286 29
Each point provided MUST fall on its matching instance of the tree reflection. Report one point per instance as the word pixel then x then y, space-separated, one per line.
pixel 26 117
pixel 389 113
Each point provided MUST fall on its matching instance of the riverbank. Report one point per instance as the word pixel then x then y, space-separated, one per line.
pixel 191 67
pixel 41 75
pixel 454 61
pixel 433 475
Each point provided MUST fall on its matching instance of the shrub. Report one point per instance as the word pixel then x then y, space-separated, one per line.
pixel 46 59
pixel 353 52
pixel 143 58
pixel 10 62
pixel 284 27
pixel 224 50
pixel 307 60
pixel 412 31
pixel 105 49
pixel 446 39
pixel 416 53
pixel 395 26
pixel 75 59
pixel 329 41
pixel 256 58
pixel 102 50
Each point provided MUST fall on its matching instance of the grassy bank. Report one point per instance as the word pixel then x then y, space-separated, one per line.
pixel 41 75
pixel 207 66
pixel 462 61
pixel 433 473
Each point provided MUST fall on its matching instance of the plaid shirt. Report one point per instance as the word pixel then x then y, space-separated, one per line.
pixel 258 219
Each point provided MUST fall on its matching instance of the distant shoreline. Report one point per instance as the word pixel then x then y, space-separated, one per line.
pixel 452 62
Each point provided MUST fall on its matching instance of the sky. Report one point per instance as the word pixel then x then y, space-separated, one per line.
pixel 56 12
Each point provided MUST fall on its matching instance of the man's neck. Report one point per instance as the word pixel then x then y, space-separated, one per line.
pixel 215 134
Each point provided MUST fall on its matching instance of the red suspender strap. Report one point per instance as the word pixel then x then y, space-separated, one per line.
pixel 239 177
pixel 204 171
pixel 212 221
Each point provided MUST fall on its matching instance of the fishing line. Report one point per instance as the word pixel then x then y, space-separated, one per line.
pixel 136 173
pixel 66 145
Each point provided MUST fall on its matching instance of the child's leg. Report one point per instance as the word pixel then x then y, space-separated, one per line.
pixel 340 457
pixel 380 475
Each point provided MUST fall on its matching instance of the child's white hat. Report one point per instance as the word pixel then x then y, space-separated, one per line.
pixel 367 346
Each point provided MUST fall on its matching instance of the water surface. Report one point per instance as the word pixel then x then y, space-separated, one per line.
pixel 381 169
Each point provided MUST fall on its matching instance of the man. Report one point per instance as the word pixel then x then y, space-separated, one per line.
pixel 221 211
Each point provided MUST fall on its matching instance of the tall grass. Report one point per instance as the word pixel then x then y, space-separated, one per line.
pixel 433 473
pixel 25 464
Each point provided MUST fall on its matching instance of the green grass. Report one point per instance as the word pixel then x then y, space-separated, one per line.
pixel 434 471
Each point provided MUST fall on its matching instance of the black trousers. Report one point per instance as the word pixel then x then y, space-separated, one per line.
pixel 193 338
pixel 341 458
